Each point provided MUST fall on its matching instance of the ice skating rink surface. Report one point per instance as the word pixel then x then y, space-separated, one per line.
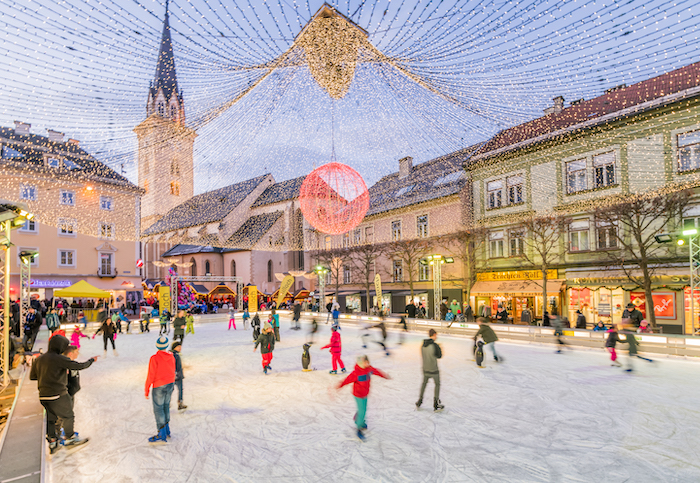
pixel 538 417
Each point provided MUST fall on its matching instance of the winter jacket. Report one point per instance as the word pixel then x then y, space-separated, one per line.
pixel 101 316
pixel 179 375
pixel 107 328
pixel 613 338
pixel 502 316
pixel 468 313
pixel 161 370
pixel 179 324
pixel 297 311
pixel 336 313
pixel 275 320
pixel 486 333
pixel 431 352
pixel 335 344
pixel 598 328
pixel 73 382
pixel 526 317
pixel 75 338
pixel 360 377
pixel 256 321
pixel 455 308
pixel 634 314
pixel 443 311
pixel 581 321
pixel 52 321
pixel 266 340
pixel 449 316
pixel 51 369
pixel 411 311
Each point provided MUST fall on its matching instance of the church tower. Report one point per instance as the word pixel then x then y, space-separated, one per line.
pixel 165 149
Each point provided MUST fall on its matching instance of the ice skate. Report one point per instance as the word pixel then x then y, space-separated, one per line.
pixel 167 430
pixel 360 435
pixel 437 406
pixel 616 364
pixel 104 354
pixel 333 372
pixel 75 442
pixel 181 406
pixel 160 438
pixel 343 370
pixel 54 446
pixel 115 352
pixel 265 370
pixel 419 403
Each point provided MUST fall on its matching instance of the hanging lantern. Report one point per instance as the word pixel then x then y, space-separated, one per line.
pixel 334 198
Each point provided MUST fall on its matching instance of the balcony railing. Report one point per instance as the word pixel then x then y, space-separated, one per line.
pixel 107 274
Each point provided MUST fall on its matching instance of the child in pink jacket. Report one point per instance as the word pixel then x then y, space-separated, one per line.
pixel 75 337
pixel 336 349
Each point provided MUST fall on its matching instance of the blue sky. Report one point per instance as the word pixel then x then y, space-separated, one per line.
pixel 83 67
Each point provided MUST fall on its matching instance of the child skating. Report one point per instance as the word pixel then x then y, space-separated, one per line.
pixel 189 319
pixel 336 349
pixel 179 376
pixel 108 330
pixel 610 343
pixel 246 316
pixel 360 378
pixel 232 318
pixel 489 337
pixel 266 341
pixel 76 336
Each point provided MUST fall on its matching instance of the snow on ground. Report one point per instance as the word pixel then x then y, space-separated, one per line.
pixel 536 417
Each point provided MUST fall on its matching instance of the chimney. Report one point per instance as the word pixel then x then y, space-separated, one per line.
pixel 557 107
pixel 75 142
pixel 405 166
pixel 22 127
pixel 55 136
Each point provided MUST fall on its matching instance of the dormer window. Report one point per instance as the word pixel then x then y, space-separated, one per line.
pixel 173 112
pixel 53 162
pixel 161 108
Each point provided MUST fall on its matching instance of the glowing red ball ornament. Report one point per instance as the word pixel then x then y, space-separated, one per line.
pixel 334 198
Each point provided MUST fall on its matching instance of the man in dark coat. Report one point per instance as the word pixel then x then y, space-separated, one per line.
pixel 580 320
pixel 632 313
pixel 431 352
pixel 443 309
pixel 411 310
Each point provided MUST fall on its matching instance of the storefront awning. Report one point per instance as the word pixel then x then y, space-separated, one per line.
pixel 522 287
pixel 221 289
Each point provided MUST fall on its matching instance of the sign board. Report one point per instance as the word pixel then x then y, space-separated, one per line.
pixel 34 283
pixel 252 298
pixel 284 288
pixel 515 275
pixel 163 298
pixel 664 304
pixel 378 289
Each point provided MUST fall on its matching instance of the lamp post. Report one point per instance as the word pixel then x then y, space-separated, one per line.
pixel 321 271
pixel 437 261
pixel 25 281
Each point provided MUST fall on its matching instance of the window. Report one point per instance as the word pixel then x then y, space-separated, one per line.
pixel 70 164
pixel 576 176
pixel 347 274
pixel 689 151
pixel 516 242
pixel 67 226
pixel 207 268
pixel 161 108
pixel 607 235
pixel 105 263
pixel 404 190
pixel 67 198
pixel 496 244
pixel 233 268
pixel 106 230
pixel 423 271
pixel 422 226
pixel 604 169
pixel 9 153
pixel 328 243
pixel 30 226
pixel 449 178
pixel 578 236
pixel 193 268
pixel 515 190
pixel 688 223
pixel 397 271
pixel 357 236
pixel 396 230
pixel 173 112
pixel 175 188
pixel 494 194
pixel 269 270
pixel 66 258
pixel 369 234
pixel 346 240
pixel 53 162
pixel 27 192
pixel 106 203
pixel 175 168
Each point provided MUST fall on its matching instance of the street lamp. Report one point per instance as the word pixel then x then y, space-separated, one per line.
pixel 26 258
pixel 321 271
pixel 437 261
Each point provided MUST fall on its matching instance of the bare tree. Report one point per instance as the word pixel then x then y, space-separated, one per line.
pixel 363 259
pixel 628 228
pixel 539 243
pixel 334 259
pixel 465 246
pixel 410 253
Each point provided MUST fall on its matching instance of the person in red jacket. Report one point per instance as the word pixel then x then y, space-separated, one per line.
pixel 336 349
pixel 360 377
pixel 161 376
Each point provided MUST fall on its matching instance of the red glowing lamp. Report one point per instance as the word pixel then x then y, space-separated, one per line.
pixel 334 198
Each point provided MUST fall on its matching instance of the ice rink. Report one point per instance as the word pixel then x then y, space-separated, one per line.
pixel 538 416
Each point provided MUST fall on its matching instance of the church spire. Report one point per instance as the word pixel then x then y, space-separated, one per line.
pixel 166 77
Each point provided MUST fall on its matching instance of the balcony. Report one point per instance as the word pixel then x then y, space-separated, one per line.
pixel 107 273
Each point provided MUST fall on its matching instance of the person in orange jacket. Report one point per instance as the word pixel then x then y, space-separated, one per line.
pixel 336 349
pixel 360 377
pixel 161 376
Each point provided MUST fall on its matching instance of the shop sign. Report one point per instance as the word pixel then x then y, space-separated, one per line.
pixel 34 283
pixel 656 279
pixel 664 304
pixel 515 275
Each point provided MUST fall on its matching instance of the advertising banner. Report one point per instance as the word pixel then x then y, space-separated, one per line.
pixel 252 298
pixel 378 289
pixel 164 298
pixel 664 304
pixel 284 288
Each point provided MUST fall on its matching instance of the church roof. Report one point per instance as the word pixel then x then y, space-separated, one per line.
pixel 205 208
pixel 254 229
pixel 165 78
pixel 278 192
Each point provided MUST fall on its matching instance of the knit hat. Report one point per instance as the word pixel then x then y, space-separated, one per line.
pixel 176 344
pixel 162 343
pixel 267 326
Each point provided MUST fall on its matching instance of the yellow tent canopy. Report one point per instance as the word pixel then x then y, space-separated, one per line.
pixel 82 289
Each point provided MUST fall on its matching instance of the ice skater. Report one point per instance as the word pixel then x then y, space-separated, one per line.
pixel 52 321
pixel 179 376
pixel 633 345
pixel 189 319
pixel 267 345
pixel 246 316
pixel 489 337
pixel 76 336
pixel 232 318
pixel 336 349
pixel 108 334
pixel 558 325
pixel 255 324
pixel 275 322
pixel 164 319
pixel 297 316
pixel 336 316
pixel 313 330
pixel 402 329
pixel 431 352
pixel 611 342
pixel 382 327
pixel 179 323
pixel 161 376
pixel 360 379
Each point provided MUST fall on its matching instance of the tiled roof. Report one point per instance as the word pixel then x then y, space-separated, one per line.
pixel 616 100
pixel 28 150
pixel 205 208
pixel 427 181
pixel 282 191
pixel 254 229
pixel 179 250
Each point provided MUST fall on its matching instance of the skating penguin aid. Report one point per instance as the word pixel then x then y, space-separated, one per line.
pixel 479 353
pixel 306 358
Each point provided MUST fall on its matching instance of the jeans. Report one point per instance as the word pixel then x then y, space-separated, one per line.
pixel 161 404
pixel 361 412
pixel 59 408
pixel 492 346
pixel 436 379
pixel 178 384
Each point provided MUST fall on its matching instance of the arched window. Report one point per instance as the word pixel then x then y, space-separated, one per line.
pixel 161 108
pixel 207 268
pixel 193 269
pixel 175 168
pixel 233 268
pixel 173 112
pixel 269 270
